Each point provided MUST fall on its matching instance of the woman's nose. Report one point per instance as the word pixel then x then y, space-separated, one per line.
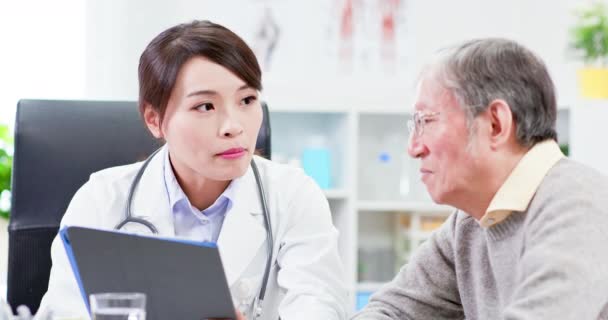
pixel 230 127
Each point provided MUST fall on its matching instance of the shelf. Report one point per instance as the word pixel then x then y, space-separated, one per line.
pixel 335 194
pixel 409 206
pixel 369 286
pixel 417 235
pixel 386 111
pixel 310 108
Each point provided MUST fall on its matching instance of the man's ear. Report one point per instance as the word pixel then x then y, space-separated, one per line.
pixel 152 120
pixel 501 122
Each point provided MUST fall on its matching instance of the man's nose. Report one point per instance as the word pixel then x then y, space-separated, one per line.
pixel 415 148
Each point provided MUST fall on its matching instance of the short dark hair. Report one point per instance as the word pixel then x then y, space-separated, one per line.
pixel 164 56
pixel 483 70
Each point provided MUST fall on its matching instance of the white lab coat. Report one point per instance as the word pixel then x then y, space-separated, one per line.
pixel 306 279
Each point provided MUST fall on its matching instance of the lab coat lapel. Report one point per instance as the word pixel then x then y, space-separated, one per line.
pixel 151 200
pixel 243 230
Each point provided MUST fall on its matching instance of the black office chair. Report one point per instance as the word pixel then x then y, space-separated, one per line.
pixel 58 144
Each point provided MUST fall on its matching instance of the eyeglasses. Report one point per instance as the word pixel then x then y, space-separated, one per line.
pixel 415 125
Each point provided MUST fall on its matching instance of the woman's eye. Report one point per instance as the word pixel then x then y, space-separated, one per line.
pixel 205 107
pixel 249 100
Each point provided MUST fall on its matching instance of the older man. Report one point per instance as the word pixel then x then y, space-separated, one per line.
pixel 529 239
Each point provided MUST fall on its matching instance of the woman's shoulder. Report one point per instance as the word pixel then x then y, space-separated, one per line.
pixel 113 177
pixel 93 201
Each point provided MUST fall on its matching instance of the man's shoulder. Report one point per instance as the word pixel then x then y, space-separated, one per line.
pixel 570 184
pixel 568 175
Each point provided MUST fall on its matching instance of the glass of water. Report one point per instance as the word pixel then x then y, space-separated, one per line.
pixel 118 306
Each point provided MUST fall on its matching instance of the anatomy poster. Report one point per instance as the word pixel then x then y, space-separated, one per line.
pixel 325 38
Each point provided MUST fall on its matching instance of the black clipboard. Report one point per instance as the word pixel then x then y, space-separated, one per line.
pixel 182 279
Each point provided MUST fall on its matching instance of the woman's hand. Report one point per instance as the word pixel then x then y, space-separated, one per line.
pixel 239 316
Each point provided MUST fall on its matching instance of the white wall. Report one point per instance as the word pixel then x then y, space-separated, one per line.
pixel 89 49
pixel 41 53
pixel 117 32
pixel 541 25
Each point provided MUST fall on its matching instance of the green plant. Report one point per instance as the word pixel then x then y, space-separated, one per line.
pixel 589 35
pixel 6 165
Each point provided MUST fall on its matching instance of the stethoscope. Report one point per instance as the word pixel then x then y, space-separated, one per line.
pixel 129 218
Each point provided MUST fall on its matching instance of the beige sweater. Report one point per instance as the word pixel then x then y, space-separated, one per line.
pixel 549 262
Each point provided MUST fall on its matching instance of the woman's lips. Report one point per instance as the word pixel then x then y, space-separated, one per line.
pixel 233 153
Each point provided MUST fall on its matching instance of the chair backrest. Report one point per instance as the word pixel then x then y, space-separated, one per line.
pixel 58 144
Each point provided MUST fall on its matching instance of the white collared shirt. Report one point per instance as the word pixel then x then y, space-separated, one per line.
pixel 190 222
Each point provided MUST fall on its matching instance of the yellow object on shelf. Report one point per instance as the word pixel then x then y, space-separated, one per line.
pixel 593 83
pixel 431 223
pixel 405 221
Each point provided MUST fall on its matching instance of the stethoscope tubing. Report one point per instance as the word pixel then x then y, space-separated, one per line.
pixel 129 218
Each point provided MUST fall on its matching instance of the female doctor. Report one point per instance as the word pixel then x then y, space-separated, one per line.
pixel 199 86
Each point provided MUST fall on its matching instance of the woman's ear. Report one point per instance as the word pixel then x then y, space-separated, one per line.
pixel 152 120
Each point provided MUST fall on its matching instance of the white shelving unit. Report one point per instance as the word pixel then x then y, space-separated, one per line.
pixel 336 194
pixel 378 203
pixel 366 210
pixel 409 206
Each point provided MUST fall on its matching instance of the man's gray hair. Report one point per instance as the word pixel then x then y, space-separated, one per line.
pixel 480 71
